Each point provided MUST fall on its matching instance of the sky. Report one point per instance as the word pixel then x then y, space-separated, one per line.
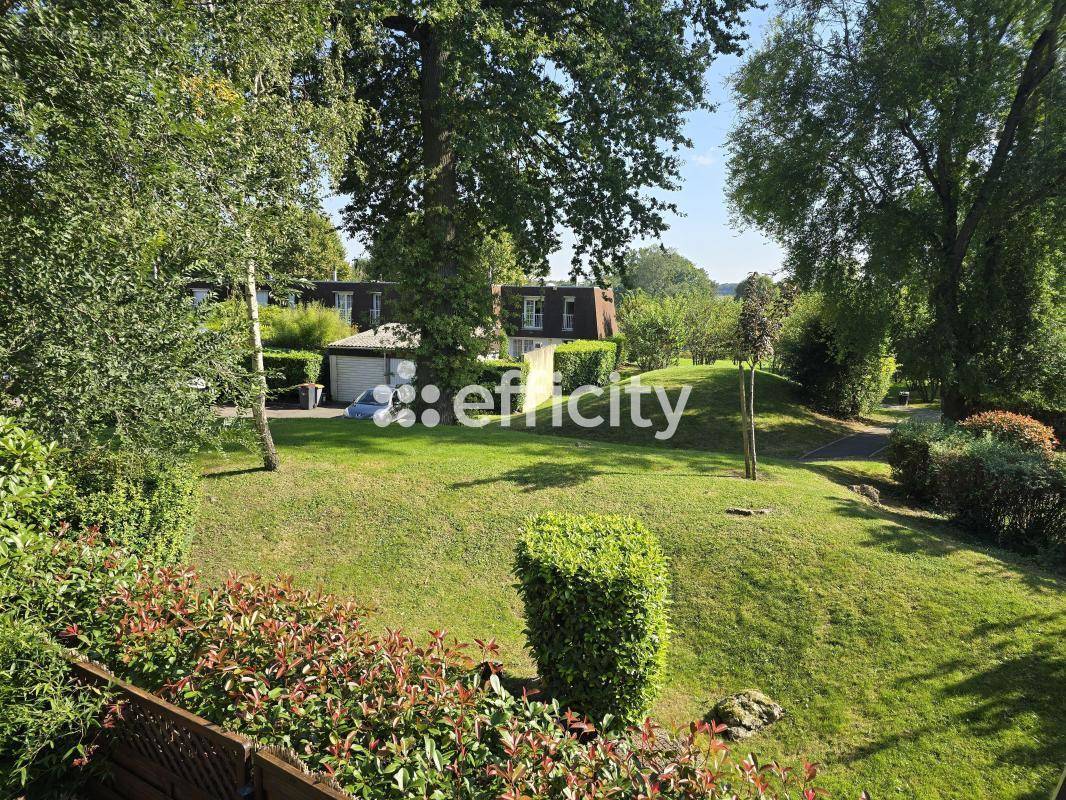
pixel 703 231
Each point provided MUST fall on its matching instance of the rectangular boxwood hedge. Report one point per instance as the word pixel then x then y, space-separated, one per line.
pixel 491 376
pixel 287 369
pixel 585 363
pixel 595 595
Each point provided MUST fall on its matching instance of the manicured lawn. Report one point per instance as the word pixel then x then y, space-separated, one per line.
pixel 711 420
pixel 911 662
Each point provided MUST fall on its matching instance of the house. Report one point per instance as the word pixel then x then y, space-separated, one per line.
pixel 530 317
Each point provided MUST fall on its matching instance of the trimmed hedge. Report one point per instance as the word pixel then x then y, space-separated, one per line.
pixel 595 595
pixel 287 369
pixel 910 454
pixel 585 363
pixel 148 505
pixel 1005 493
pixel 619 340
pixel 491 376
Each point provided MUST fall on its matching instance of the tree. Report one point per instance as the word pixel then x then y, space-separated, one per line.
pixel 654 328
pixel 312 250
pixel 900 143
pixel 710 326
pixel 521 117
pixel 660 271
pixel 99 342
pixel 762 312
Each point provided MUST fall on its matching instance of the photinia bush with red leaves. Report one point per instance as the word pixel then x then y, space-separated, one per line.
pixel 385 716
pixel 1026 432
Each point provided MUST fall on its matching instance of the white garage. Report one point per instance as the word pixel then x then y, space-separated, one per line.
pixel 365 360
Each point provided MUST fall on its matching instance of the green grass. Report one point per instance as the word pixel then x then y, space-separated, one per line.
pixel 911 662
pixel 711 420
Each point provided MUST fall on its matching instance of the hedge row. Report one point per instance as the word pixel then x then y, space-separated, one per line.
pixel 385 716
pixel 585 363
pixel 999 487
pixel 492 375
pixel 287 369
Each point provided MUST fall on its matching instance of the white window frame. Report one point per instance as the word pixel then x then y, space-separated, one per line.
pixel 344 310
pixel 375 308
pixel 568 316
pixel 531 318
pixel 200 296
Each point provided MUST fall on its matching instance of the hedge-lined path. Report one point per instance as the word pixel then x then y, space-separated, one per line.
pixel 864 444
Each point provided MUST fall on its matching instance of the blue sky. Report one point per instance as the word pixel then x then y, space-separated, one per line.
pixel 703 231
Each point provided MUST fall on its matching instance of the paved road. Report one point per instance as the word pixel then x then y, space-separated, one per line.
pixel 865 444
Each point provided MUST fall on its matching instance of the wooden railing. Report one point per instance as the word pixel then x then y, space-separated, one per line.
pixel 157 751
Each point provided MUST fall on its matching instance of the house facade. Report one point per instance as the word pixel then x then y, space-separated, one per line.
pixel 530 317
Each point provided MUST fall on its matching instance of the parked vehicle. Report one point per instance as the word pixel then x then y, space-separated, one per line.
pixel 381 400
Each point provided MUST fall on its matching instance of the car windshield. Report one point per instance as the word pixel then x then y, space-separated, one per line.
pixel 367 399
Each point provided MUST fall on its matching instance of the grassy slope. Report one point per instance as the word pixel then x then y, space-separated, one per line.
pixel 911 663
pixel 711 419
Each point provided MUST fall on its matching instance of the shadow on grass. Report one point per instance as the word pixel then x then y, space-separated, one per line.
pixel 1006 686
pixel 232 473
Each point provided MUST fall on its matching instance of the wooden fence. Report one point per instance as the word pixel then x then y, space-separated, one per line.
pixel 157 751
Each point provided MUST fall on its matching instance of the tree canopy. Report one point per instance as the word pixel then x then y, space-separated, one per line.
pixel 912 144
pixel 529 118
pixel 662 271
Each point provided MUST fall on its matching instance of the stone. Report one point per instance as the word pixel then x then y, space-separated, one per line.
pixel 747 512
pixel 746 713
pixel 869 492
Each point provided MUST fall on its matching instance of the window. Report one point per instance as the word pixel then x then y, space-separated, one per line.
pixel 568 313
pixel 520 346
pixel 262 296
pixel 292 301
pixel 533 313
pixel 375 308
pixel 200 295
pixel 342 301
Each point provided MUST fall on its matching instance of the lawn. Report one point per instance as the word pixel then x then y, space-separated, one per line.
pixel 911 662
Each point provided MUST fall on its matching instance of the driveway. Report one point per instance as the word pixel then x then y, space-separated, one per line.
pixel 286 411
pixel 864 444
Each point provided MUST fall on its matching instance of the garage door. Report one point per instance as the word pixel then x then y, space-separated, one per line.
pixel 350 376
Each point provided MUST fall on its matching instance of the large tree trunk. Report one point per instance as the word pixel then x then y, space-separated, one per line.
pixel 266 440
pixel 751 426
pixel 744 422
pixel 440 195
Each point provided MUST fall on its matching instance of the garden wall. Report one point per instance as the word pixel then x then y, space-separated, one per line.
pixel 539 380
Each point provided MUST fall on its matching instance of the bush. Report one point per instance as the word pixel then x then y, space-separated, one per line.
pixel 309 326
pixel 146 504
pixel 585 363
pixel 1003 492
pixel 387 718
pixel 1026 432
pixel 834 378
pixel 287 369
pixel 620 353
pixel 654 329
pixel 492 373
pixel 910 453
pixel 46 720
pixel 595 594
pixel 32 486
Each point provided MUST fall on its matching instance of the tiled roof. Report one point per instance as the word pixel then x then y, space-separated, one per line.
pixel 389 336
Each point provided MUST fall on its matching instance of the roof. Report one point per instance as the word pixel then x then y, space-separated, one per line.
pixel 389 336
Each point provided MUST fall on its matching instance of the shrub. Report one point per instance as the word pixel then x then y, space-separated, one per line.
pixel 834 377
pixel 654 329
pixel 46 720
pixel 385 717
pixel 147 504
pixel 910 453
pixel 1003 492
pixel 309 326
pixel 287 369
pixel 595 594
pixel 492 373
pixel 32 486
pixel 585 363
pixel 1026 432
pixel 620 353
